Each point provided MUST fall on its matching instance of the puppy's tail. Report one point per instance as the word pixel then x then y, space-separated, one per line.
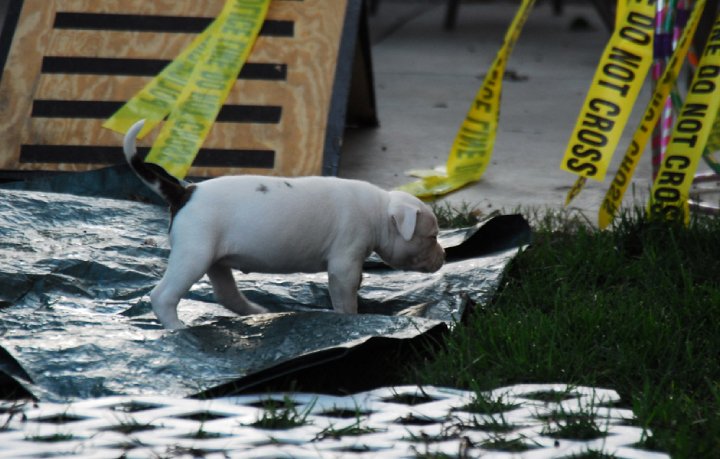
pixel 172 190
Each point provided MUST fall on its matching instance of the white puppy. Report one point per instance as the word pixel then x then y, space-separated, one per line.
pixel 282 225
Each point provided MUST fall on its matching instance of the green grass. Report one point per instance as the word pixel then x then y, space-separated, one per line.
pixel 130 427
pixel 278 415
pixel 483 404
pixel 353 430
pixel 455 216
pixel 55 438
pixel 516 445
pixel 635 309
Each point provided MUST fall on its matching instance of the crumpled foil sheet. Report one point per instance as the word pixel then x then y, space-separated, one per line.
pixel 75 320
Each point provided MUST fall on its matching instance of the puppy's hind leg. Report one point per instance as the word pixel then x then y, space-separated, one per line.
pixel 227 293
pixel 185 267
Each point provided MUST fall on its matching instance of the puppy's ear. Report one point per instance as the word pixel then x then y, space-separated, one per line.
pixel 404 218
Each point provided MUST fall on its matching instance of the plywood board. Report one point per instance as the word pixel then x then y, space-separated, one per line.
pixel 72 63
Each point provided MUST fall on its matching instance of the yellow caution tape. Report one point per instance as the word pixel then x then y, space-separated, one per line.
pixel 472 148
pixel 713 145
pixel 581 181
pixel 616 192
pixel 618 78
pixel 192 89
pixel 575 189
pixel 671 190
pixel 156 100
pixel 620 11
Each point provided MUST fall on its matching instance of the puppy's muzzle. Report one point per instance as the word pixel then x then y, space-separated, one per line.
pixel 436 261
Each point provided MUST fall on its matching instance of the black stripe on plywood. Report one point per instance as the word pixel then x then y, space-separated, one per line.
pixel 42 108
pixel 8 24
pixel 84 154
pixel 152 23
pixel 146 67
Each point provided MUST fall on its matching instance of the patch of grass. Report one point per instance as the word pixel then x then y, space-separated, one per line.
pixel 635 308
pixel 282 414
pixel 484 404
pixel 202 434
pixel 55 438
pixel 552 396
pixel 516 445
pixel 464 447
pixel 455 216
pixel 493 409
pixel 202 416
pixel 592 454
pixel 62 418
pixel 583 426
pixel 183 451
pixel 353 430
pixel 413 420
pixel 496 424
pixel 345 413
pixel 410 399
pixel 129 427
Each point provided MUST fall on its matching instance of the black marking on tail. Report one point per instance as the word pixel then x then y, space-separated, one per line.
pixel 170 189
pixel 189 190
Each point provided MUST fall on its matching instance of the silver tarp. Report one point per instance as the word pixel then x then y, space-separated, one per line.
pixel 75 321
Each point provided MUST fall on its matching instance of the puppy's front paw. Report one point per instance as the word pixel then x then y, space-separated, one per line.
pixel 173 324
pixel 254 308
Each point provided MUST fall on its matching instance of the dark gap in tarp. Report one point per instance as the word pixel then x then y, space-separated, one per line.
pixel 339 371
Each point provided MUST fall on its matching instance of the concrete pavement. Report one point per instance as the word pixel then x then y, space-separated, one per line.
pixel 426 78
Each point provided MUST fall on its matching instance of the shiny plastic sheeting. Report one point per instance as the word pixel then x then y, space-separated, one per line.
pixel 75 321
